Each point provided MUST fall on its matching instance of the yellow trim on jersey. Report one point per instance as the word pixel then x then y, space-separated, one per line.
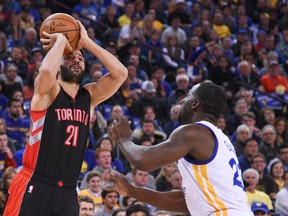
pixel 208 189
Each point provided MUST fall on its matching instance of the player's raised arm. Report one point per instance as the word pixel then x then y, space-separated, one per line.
pixel 110 82
pixel 50 65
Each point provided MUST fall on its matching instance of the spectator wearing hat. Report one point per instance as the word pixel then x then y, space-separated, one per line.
pixel 242 37
pixel 174 29
pixel 148 98
pixel 130 32
pixel 260 208
pixel 273 82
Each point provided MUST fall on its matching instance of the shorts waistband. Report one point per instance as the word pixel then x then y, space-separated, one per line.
pixel 50 181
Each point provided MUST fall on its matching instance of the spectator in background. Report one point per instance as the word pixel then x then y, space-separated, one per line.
pixel 281 126
pixel 277 173
pixel 109 203
pixel 165 87
pixel 137 209
pixel 86 9
pixel 148 130
pixel 176 180
pixel 281 198
pixel 266 182
pixel 253 195
pixel 243 134
pixel 173 123
pixel 6 180
pixel 181 12
pixel 130 32
pixel 86 206
pixel 16 125
pixel 250 149
pixel 268 146
pixel 282 47
pixel 104 164
pixel 282 154
pixel 125 18
pixel 173 54
pixel 221 123
pixel 10 81
pixel 94 182
pixel 235 119
pixel 182 83
pixel 221 74
pixel 3 128
pixel 260 208
pixel 19 154
pixel 273 82
pixel 148 98
pixel 109 19
pixel 6 155
pixel 28 89
pixel 219 26
pixel 266 116
pixel 30 40
pixel 174 29
pixel 163 179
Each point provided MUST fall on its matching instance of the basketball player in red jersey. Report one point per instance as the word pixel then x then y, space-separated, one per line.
pixel 60 114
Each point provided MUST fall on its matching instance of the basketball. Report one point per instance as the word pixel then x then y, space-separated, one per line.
pixel 62 23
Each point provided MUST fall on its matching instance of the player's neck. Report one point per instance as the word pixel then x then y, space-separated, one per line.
pixel 70 88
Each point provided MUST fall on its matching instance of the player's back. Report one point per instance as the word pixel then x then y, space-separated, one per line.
pixel 215 186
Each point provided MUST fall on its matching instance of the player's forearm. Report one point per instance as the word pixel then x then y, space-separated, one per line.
pixel 52 61
pixel 138 156
pixel 112 64
pixel 169 201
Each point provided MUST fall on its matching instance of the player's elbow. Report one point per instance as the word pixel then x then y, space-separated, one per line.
pixel 123 73
pixel 142 165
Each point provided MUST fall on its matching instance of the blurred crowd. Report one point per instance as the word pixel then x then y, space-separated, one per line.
pixel 168 46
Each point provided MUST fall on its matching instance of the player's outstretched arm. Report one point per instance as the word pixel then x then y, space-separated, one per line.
pixel 170 201
pixel 110 82
pixel 180 143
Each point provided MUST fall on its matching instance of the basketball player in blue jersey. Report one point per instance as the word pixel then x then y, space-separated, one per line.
pixel 60 115
pixel 211 177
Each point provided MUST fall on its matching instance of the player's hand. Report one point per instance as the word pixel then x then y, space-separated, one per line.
pixel 50 39
pixel 119 183
pixel 83 36
pixel 120 129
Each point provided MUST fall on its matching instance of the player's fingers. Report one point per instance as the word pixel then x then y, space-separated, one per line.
pixel 45 40
pixel 47 46
pixel 46 34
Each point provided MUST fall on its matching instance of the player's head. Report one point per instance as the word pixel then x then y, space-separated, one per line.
pixel 204 99
pixel 72 69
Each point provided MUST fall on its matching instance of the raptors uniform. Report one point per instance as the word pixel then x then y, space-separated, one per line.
pixel 52 160
pixel 215 186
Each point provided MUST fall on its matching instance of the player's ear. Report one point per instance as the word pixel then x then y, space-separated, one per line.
pixel 195 104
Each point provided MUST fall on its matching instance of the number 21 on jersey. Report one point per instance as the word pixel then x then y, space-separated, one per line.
pixel 73 132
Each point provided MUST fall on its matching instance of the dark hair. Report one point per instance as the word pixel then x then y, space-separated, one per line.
pixel 280 147
pixel 212 98
pixel 273 165
pixel 116 211
pixel 137 208
pixel 92 174
pixel 104 193
pixel 258 155
pixel 248 140
pixel 146 120
pixel 11 100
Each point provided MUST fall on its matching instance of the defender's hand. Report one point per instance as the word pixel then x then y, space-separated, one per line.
pixel 119 182
pixel 120 130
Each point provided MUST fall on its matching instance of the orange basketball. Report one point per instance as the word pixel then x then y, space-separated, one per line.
pixel 62 23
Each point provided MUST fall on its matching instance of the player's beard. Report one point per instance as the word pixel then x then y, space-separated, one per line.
pixel 71 77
